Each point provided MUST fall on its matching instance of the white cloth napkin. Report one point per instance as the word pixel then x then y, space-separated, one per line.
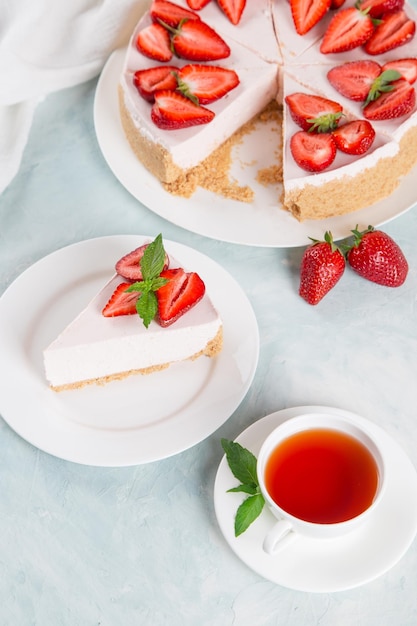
pixel 47 45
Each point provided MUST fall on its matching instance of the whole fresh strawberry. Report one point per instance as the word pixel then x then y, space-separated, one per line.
pixel 322 266
pixel 377 257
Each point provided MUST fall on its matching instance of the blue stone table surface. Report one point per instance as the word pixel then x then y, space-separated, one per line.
pixel 83 545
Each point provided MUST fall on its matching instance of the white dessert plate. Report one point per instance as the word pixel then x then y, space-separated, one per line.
pixel 320 565
pixel 141 418
pixel 261 223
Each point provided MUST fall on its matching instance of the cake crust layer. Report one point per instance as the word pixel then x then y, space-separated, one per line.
pixel 153 156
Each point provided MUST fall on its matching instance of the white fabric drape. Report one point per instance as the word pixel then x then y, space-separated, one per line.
pixel 47 45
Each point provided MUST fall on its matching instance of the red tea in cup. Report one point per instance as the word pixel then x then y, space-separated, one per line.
pixel 322 475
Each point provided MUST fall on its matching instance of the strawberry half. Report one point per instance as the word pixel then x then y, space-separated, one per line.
pixel 313 152
pixel 233 9
pixel 377 8
pixel 313 112
pixel 128 267
pixel 385 93
pixel 172 111
pixel 121 302
pixel 153 79
pixel 181 292
pixel 374 255
pixel 307 13
pixel 197 5
pixel 355 137
pixel 170 13
pixel 197 41
pixel 399 101
pixel 154 42
pixel 394 30
pixel 406 67
pixel 206 82
pixel 322 266
pixel 348 29
pixel 354 79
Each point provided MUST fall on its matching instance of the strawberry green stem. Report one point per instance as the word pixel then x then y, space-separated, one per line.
pixel 354 242
pixel 328 238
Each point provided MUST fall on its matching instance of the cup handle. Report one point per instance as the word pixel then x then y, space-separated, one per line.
pixel 278 537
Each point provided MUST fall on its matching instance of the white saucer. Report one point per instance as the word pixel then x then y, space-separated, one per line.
pixel 325 565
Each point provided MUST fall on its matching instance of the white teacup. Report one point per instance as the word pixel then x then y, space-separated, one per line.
pixel 329 478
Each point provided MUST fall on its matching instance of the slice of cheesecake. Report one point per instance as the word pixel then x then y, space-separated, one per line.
pixel 97 349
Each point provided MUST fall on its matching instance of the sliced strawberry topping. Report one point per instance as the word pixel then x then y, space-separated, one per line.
pixel 354 137
pixel 233 9
pixel 377 8
pixel 128 267
pixel 197 41
pixel 172 111
pixel 121 302
pixel 206 82
pixel 406 67
pixel 170 13
pixel 179 295
pixel 197 5
pixel 336 4
pixel 310 111
pixel 385 93
pixel 354 79
pixel 313 151
pixel 154 79
pixel 394 30
pixel 154 42
pixel 307 13
pixel 348 29
pixel 399 101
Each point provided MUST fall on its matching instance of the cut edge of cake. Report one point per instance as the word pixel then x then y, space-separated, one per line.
pixel 213 347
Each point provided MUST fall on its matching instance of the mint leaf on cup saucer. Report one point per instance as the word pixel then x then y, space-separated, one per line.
pixel 241 461
pixel 247 512
pixel 242 464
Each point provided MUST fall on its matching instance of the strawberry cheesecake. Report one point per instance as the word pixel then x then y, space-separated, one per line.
pixel 150 314
pixel 195 72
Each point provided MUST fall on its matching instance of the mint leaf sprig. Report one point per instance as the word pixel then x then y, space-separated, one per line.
pixel 151 264
pixel 382 84
pixel 242 464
